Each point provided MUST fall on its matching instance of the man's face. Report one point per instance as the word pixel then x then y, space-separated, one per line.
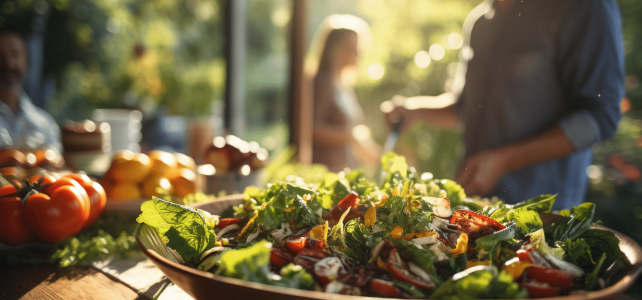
pixel 13 59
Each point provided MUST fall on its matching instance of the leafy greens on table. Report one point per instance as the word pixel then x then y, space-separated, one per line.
pixel 405 237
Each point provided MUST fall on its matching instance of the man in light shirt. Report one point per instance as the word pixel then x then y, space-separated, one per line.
pixel 22 125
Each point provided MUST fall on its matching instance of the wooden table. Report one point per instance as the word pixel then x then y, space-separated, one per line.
pixel 49 282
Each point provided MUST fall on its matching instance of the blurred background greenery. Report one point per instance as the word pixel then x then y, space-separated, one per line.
pixel 167 58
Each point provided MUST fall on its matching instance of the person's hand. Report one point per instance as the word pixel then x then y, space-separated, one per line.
pixel 481 172
pixel 393 110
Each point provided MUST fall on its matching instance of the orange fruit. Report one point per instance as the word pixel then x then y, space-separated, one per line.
pixel 124 191
pixel 184 161
pixel 163 163
pixel 12 157
pixel 154 182
pixel 184 183
pixel 134 170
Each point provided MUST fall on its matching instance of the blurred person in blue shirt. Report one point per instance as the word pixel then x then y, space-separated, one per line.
pixel 538 83
pixel 22 125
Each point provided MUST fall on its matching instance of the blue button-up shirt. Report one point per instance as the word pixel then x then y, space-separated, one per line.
pixel 534 65
pixel 30 128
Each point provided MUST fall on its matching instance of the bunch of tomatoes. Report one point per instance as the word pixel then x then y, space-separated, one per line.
pixel 46 209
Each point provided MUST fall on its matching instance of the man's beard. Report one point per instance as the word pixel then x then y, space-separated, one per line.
pixel 10 77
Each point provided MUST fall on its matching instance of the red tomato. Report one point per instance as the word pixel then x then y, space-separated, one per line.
pixel 227 221
pixel 96 194
pixel 312 253
pixel 45 179
pixel 530 254
pixel 556 278
pixel 59 215
pixel 14 229
pixel 68 182
pixel 295 245
pixel 352 200
pixel 384 288
pixel 280 258
pixel 538 290
pixel 401 273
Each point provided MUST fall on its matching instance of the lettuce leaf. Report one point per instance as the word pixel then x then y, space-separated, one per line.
pixel 602 241
pixel 527 221
pixel 541 204
pixel 481 285
pixel 486 245
pixel 190 232
pixel 577 221
pixel 251 264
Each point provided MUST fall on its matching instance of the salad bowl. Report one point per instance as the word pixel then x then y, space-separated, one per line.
pixel 204 285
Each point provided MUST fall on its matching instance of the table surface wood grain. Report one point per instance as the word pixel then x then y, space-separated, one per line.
pixel 50 282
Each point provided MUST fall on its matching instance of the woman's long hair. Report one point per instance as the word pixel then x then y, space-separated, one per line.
pixel 333 41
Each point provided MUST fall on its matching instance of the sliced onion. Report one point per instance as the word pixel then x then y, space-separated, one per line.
pixel 227 229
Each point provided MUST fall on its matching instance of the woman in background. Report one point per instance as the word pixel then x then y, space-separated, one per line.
pixel 340 140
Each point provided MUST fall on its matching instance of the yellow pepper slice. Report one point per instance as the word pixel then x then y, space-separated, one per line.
pixel 247 226
pixel 381 264
pixel 516 267
pixel 462 245
pixel 408 236
pixel 397 232
pixel 320 232
pixel 474 263
pixel 425 234
pixel 289 209
pixel 371 216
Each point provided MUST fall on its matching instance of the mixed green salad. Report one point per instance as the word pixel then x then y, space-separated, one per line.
pixel 408 237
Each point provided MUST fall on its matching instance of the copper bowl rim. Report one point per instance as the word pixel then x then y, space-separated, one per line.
pixel 635 252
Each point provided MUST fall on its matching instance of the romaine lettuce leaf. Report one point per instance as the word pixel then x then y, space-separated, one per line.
pixel 527 221
pixel 190 232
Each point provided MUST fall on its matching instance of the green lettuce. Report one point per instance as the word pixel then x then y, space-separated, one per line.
pixel 251 264
pixel 576 222
pixel 486 246
pixel 527 221
pixel 190 232
pixel 482 284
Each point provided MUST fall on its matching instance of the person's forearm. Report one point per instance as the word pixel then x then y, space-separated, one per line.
pixel 444 117
pixel 551 144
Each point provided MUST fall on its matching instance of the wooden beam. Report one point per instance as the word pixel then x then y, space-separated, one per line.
pixel 300 114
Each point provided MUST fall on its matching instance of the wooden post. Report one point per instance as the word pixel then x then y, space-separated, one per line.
pixel 300 114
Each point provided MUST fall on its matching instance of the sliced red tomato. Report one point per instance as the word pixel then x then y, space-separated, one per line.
pixel 59 215
pixel 384 288
pixel 530 254
pixel 280 258
pixel 352 200
pixel 554 277
pixel 222 223
pixel 314 243
pixel 312 252
pixel 539 290
pixel 295 245
pixel 472 221
pixel 400 272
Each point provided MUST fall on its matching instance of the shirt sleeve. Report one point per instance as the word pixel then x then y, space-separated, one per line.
pixel 591 60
